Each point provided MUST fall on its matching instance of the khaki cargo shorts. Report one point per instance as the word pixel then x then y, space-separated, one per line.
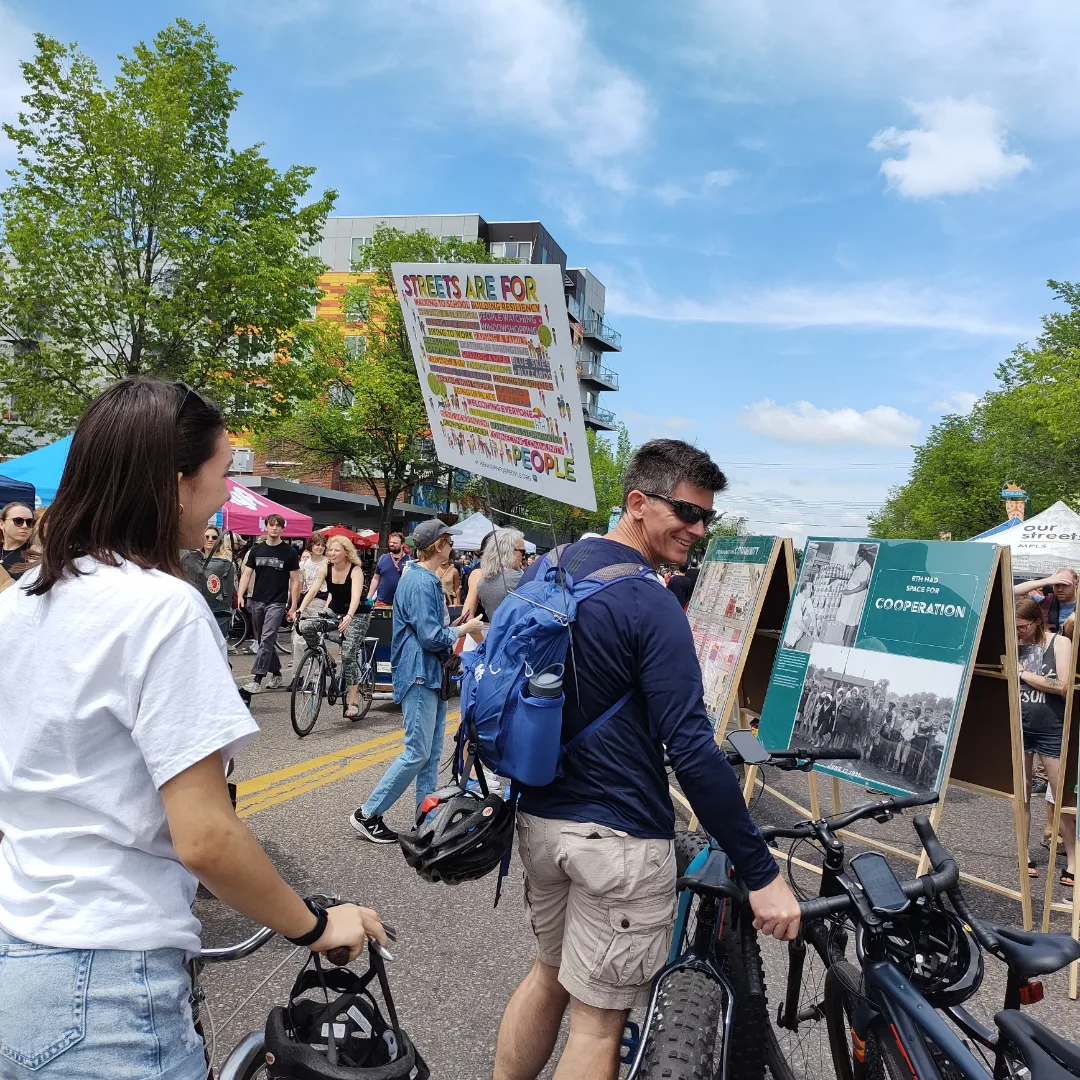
pixel 601 905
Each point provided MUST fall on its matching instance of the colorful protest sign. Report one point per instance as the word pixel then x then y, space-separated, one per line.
pixel 721 612
pixel 496 364
pixel 876 653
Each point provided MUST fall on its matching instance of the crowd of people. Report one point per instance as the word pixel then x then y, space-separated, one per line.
pixel 113 801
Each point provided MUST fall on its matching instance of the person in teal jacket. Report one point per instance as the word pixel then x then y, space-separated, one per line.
pixel 422 637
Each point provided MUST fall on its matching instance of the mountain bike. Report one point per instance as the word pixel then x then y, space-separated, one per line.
pixel 707 1013
pixel 247 1059
pixel 908 980
pixel 319 676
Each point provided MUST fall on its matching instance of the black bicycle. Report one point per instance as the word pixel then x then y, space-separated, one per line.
pixel 707 1015
pixel 319 677
pixel 917 963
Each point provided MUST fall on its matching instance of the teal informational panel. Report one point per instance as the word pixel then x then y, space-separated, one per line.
pixel 875 655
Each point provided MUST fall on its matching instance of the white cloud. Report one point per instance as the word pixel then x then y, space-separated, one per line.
pixel 671 193
pixel 720 178
pixel 801 422
pixel 882 304
pixel 656 425
pixel 959 147
pixel 959 401
pixel 1022 53
pixel 16 43
pixel 532 67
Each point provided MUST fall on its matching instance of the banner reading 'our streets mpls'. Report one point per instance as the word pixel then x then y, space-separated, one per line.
pixel 875 654
pixel 496 365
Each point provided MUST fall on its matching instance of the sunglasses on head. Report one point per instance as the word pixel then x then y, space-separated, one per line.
pixel 687 512
pixel 21 522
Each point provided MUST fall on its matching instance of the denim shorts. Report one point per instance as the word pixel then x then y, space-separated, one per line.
pixel 1046 743
pixel 96 1013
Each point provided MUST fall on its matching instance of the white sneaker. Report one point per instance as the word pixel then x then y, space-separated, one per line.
pixel 273 682
pixel 252 687
pixel 253 648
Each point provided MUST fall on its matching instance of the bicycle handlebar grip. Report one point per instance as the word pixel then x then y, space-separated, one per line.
pixel 833 753
pixel 930 842
pixel 338 956
pixel 821 907
pixel 908 802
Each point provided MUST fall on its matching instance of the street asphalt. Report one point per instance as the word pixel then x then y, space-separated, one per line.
pixel 457 960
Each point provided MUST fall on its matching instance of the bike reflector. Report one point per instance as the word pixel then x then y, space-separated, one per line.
pixel 1031 992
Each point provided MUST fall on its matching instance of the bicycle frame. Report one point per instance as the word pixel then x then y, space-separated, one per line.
pixel 700 955
pixel 913 1020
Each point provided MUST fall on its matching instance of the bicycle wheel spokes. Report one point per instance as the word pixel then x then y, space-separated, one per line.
pixel 803 1042
pixel 307 693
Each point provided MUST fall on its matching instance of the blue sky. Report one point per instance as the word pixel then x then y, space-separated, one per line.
pixel 821 225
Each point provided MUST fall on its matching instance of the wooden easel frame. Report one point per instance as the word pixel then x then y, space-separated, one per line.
pixel 750 676
pixel 995 660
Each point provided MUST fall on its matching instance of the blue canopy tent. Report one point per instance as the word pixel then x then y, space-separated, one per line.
pixel 16 491
pixel 41 468
pixel 1010 524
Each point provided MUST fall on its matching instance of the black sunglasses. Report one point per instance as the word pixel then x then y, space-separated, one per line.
pixel 687 512
pixel 21 522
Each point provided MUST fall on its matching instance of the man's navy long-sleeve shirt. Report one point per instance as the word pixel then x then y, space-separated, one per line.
pixel 633 636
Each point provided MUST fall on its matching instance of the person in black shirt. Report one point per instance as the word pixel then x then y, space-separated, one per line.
pixel 276 567
pixel 16 523
pixel 682 585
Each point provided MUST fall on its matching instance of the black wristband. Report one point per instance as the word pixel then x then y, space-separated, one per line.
pixel 318 930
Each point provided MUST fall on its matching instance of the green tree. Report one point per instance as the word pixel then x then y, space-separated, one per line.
pixel 136 240
pixel 1023 431
pixel 369 408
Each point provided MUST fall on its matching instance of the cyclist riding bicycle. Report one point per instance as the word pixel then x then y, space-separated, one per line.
pixel 597 843
pixel 113 802
pixel 343 579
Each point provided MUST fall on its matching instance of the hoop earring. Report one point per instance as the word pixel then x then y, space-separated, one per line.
pixel 181 508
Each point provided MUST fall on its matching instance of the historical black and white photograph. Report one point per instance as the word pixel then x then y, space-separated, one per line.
pixel 829 600
pixel 897 711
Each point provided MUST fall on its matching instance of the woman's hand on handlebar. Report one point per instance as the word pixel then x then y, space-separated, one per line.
pixel 776 911
pixel 350 925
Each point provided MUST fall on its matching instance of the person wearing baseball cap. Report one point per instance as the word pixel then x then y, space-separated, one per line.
pixel 422 637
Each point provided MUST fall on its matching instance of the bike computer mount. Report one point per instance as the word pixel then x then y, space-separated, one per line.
pixel 879 883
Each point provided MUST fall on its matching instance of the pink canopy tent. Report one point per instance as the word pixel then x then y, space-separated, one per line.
pixel 246 512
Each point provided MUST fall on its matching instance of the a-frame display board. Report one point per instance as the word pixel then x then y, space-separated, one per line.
pixel 736 616
pixel 905 650
pixel 1065 810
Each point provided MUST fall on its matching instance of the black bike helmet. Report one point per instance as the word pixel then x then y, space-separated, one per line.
pixel 337 1032
pixel 458 836
pixel 935 949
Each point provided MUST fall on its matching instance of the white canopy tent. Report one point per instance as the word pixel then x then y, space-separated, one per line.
pixel 1047 542
pixel 473 529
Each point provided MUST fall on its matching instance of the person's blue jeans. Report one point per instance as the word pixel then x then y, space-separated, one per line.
pixel 425 727
pixel 84 1013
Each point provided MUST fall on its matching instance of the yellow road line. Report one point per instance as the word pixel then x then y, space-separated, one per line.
pixel 279 786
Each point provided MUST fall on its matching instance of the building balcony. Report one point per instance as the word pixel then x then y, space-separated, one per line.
pixel 597 418
pixel 592 372
pixel 609 339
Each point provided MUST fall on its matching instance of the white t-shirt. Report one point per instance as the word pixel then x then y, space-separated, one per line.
pixel 111 684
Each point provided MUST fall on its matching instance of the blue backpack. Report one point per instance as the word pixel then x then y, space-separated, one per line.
pixel 514 733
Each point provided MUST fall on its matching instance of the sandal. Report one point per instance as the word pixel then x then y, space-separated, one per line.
pixel 1033 870
pixel 1067 879
pixel 352 712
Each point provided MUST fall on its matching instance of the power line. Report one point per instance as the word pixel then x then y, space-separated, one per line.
pixel 803 465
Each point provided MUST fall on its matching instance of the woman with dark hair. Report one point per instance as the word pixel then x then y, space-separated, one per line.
pixel 113 802
pixel 16 524
pixel 1044 671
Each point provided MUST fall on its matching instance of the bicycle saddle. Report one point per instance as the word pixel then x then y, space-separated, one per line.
pixel 1046 1054
pixel 1028 953
pixel 713 878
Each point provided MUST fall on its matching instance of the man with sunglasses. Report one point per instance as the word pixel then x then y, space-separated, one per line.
pixel 16 524
pixel 597 843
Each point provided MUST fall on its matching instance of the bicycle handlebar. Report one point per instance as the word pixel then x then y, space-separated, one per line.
pixel 944 878
pixel 806 830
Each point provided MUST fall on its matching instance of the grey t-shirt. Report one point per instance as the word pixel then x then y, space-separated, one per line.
pixel 494 591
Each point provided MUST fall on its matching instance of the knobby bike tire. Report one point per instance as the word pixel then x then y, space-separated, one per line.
pixel 884 1059
pixel 309 687
pixel 741 963
pixel 684 1042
